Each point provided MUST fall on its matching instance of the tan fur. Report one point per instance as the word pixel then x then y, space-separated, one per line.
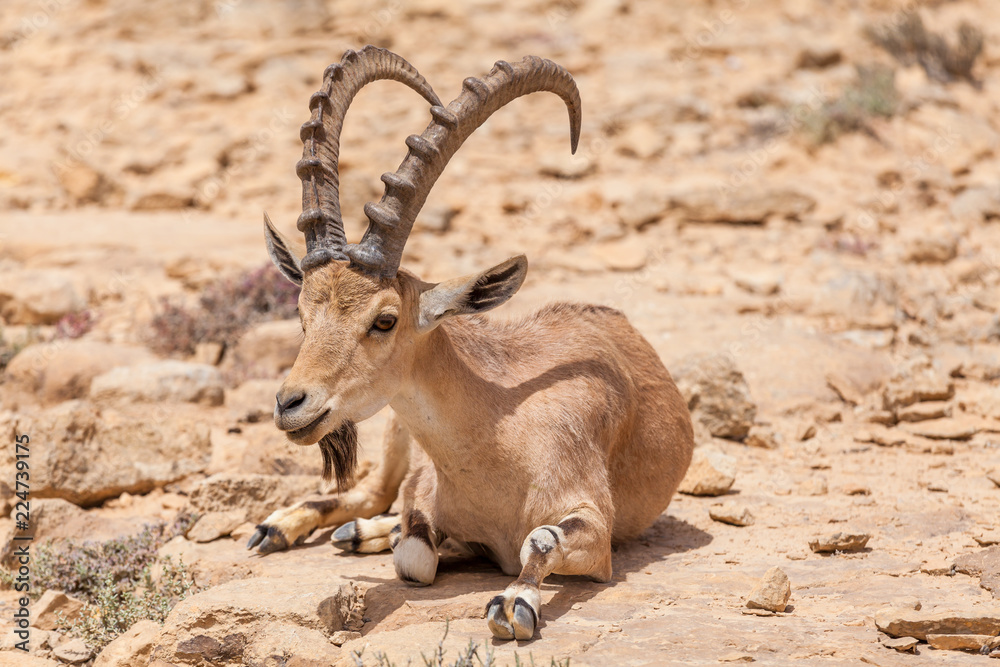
pixel 563 424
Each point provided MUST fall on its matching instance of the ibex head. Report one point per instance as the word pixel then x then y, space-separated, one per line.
pixel 362 316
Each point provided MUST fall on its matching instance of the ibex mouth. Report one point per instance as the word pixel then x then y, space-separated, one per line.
pixel 300 433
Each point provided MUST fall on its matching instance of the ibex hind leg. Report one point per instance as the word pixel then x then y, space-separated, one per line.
pixel 371 497
pixel 579 544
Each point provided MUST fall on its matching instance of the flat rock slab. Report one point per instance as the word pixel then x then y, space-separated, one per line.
pixel 944 429
pixel 911 623
pixel 213 525
pixel 901 644
pixel 984 564
pixel 843 542
pixel 963 642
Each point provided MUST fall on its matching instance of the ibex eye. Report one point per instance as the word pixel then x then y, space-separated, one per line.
pixel 385 322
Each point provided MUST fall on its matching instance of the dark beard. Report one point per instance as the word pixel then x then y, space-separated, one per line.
pixel 340 454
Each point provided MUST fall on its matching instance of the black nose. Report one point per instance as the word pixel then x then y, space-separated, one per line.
pixel 290 401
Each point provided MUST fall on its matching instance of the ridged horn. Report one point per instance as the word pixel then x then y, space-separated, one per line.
pixel 321 220
pixel 391 219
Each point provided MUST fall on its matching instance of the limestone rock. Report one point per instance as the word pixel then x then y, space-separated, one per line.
pixel 898 622
pixel 38 296
pixel 341 637
pixel 213 525
pixel 710 474
pixel 253 401
pixel 717 395
pixel 984 564
pixel 976 204
pixel 959 642
pixel 246 620
pixel 257 495
pixel 931 249
pixel 919 412
pixel 924 386
pixel 73 652
pixel 735 514
pixel 959 428
pixel 843 542
pixel 90 456
pixel 901 644
pixel 269 347
pixel 741 205
pixel 763 437
pixel 131 648
pixel 771 592
pixel 45 611
pixel 64 369
pixel 161 381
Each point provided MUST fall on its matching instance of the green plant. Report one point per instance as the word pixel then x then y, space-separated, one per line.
pixel 909 42
pixel 117 606
pixel 80 569
pixel 225 309
pixel 873 94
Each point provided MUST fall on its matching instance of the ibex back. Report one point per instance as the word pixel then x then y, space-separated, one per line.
pixel 547 440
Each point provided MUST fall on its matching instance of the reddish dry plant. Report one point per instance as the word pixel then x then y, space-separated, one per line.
pixel 226 309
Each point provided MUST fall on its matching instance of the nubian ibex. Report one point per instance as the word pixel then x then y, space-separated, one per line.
pixel 547 439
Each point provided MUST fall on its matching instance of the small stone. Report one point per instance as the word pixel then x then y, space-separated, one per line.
pixel 628 255
pixel 944 429
pixel 208 353
pixel 763 437
pixel 717 394
pixel 814 486
pixel 213 525
pixel 885 437
pixel 771 592
pixel 843 542
pixel 927 386
pixel 73 652
pixel 901 644
pixel 46 611
pixel 564 165
pixel 919 412
pixel 737 657
pixel 341 637
pixel 959 642
pixel 764 282
pixel 988 538
pixel 883 417
pixel 711 474
pixel 857 490
pixel 931 249
pixel 805 431
pixel 845 387
pixel 818 56
pixel 735 514
pixel 938 567
pixel 897 622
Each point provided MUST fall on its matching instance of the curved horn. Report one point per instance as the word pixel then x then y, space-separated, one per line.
pixel 321 221
pixel 391 219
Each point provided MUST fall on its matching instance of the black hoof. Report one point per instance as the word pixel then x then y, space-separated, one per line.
pixel 269 539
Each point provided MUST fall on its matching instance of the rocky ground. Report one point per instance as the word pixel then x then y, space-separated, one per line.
pixel 812 251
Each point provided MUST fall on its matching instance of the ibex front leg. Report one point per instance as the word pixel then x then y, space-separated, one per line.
pixel 579 544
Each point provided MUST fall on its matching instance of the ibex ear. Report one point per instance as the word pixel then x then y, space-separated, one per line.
pixel 471 294
pixel 280 255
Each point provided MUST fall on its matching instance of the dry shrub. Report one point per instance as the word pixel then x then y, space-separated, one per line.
pixel 74 325
pixel 872 95
pixel 226 309
pixel 910 43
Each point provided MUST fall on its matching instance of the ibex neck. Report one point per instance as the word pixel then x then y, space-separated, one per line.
pixel 450 397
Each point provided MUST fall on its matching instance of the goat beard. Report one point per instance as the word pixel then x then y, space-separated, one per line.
pixel 340 454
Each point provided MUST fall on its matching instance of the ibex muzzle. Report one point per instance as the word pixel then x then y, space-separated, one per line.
pixel 547 439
